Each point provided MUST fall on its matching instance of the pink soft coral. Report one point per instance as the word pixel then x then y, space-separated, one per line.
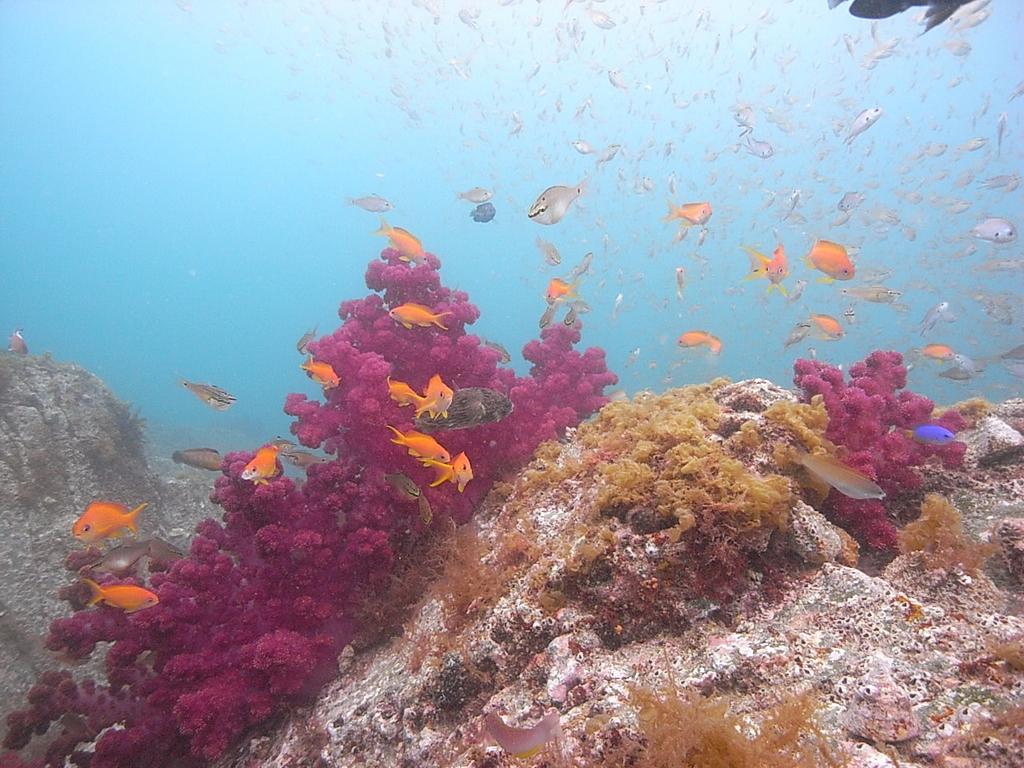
pixel 254 617
pixel 870 416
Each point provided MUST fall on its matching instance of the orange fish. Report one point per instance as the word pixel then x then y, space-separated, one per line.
pixel 776 269
pixel 406 243
pixel 417 314
pixel 940 352
pixel 403 394
pixel 828 326
pixel 558 290
pixel 128 597
pixel 322 373
pixel 420 445
pixel 263 466
pixel 459 471
pixel 437 398
pixel 697 338
pixel 688 213
pixel 106 520
pixel 830 258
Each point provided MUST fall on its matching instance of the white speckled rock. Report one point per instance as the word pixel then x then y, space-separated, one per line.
pixel 992 441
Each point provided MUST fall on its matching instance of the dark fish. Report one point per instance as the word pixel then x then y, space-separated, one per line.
pixel 126 557
pixel 162 552
pixel 1017 353
pixel 471 406
pixel 483 213
pixel 304 340
pixel 548 316
pixel 122 558
pixel 938 10
pixel 300 458
pixel 213 396
pixel 200 458
pixel 505 356
pixel 403 485
pixel 956 374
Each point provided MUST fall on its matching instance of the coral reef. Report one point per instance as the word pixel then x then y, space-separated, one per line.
pixel 869 416
pixel 589 599
pixel 67 440
pixel 253 619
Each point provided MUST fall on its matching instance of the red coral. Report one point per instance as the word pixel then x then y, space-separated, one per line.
pixel 253 619
pixel 870 416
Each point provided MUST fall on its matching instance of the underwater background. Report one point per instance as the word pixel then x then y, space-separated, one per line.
pixel 174 181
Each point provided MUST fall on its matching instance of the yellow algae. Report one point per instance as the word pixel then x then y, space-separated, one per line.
pixel 973 409
pixel 938 534
pixel 683 729
pixel 668 459
pixel 806 422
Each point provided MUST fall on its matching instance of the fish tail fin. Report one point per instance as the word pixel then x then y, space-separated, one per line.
pixel 437 320
pixel 444 471
pixel 385 228
pixel 826 280
pixel 671 212
pixel 133 517
pixel 399 438
pixel 95 590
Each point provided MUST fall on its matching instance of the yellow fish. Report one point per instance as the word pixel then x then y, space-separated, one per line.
pixel 405 242
pixel 410 314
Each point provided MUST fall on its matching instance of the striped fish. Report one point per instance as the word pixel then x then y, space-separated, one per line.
pixel 213 396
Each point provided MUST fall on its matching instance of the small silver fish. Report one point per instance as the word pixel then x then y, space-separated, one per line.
pixel 505 356
pixel 303 343
pixel 761 149
pixel 940 311
pixel 582 268
pixel 680 282
pixel 798 334
pixel 797 291
pixel 371 203
pixel 862 122
pixel 609 154
pixel 995 230
pixel 850 201
pixel 548 316
pixel 302 459
pixel 476 195
pixel 551 254
pixel 582 147
pixel 1000 132
pixel 553 203
pixel 212 395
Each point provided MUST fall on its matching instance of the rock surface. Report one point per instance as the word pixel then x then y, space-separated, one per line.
pixel 549 606
pixel 67 441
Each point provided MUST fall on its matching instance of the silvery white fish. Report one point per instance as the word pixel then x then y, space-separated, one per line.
pixel 964 363
pixel 476 195
pixel 551 254
pixel 582 147
pixel 798 334
pixel 371 203
pixel 862 122
pixel 609 154
pixel 1014 367
pixel 554 202
pixel 850 201
pixel 615 78
pixel 761 149
pixel 995 230
pixel 1000 132
pixel 797 291
pixel 940 311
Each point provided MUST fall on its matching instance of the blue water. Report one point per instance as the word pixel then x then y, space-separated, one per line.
pixel 173 179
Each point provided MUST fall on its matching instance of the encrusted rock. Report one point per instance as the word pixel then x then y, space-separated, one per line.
pixel 816 540
pixel 1010 535
pixel 752 395
pixel 881 710
pixel 992 441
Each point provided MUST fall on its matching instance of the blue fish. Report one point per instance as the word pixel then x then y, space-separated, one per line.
pixel 932 434
pixel 483 213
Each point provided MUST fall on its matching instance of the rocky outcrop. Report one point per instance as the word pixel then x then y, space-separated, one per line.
pixel 554 598
pixel 67 440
